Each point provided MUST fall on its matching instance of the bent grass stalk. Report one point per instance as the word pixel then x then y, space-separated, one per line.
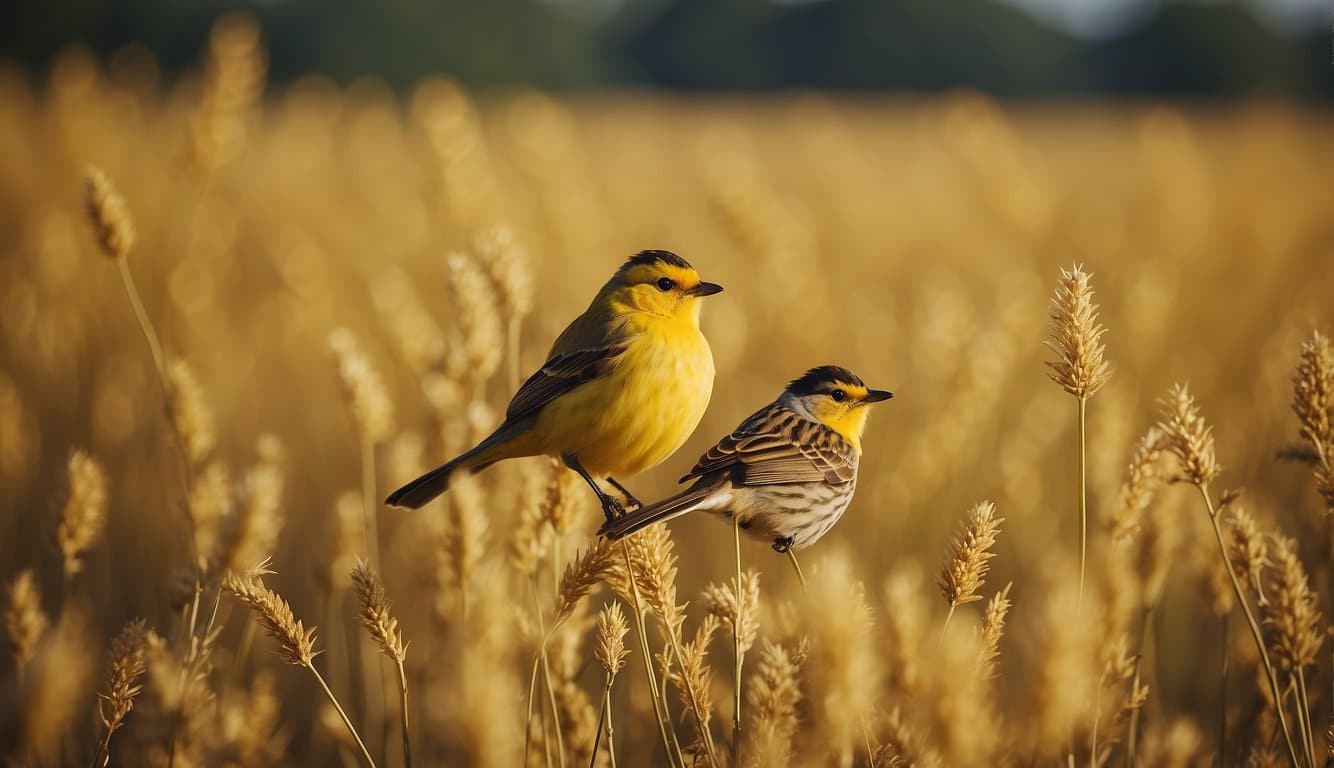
pixel 1270 674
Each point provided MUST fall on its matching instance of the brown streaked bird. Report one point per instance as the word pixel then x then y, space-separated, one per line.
pixel 622 389
pixel 787 473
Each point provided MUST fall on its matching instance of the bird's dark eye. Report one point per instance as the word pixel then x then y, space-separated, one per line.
pixel 839 395
pixel 666 284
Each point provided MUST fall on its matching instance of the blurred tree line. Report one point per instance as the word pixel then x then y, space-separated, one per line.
pixel 1217 49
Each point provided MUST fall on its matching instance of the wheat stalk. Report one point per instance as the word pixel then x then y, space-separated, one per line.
pixel 1191 440
pixel 1080 367
pixel 611 653
pixel 383 627
pixel 296 644
pixel 125 668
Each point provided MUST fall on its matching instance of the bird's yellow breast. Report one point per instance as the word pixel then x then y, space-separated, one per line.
pixel 644 409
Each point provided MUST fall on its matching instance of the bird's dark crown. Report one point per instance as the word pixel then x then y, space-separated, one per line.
pixel 824 379
pixel 654 257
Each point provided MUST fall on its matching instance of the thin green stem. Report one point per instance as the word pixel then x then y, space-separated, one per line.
pixel 1252 623
pixel 334 700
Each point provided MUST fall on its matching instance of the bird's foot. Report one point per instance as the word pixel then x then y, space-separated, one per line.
pixel 612 508
pixel 783 544
pixel 631 503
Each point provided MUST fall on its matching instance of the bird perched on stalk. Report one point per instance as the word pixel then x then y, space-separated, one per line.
pixel 622 389
pixel 787 473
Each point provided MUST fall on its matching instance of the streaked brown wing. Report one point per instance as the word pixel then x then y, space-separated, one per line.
pixel 559 375
pixel 777 446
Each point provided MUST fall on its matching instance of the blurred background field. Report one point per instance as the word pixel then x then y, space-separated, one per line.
pixel 912 236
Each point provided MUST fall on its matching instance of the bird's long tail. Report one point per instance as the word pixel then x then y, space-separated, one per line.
pixel 668 508
pixel 420 491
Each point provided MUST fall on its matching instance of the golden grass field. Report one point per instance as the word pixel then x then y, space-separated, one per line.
pixel 347 282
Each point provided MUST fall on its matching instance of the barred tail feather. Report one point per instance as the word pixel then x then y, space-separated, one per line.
pixel 668 508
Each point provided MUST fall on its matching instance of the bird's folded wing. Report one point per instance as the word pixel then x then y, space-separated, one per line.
pixel 561 374
pixel 776 446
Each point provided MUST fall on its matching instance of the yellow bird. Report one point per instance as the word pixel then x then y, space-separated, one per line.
pixel 787 473
pixel 624 385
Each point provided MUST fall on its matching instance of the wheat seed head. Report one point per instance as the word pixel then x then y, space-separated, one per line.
pixel 772 695
pixel 85 512
pixel 1188 437
pixel 478 308
pixel 296 643
pixel 108 214
pixel 1313 393
pixel 125 667
pixel 375 612
pixel 25 621
pixel 1076 336
pixel 611 630
pixel 1292 615
pixel 1247 548
pixel 720 600
pixel 366 393
pixel 993 628
pixel 968 560
pixel 509 269
pixel 190 411
pixel 582 574
pixel 1139 488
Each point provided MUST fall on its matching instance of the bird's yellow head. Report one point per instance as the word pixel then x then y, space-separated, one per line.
pixel 659 283
pixel 836 398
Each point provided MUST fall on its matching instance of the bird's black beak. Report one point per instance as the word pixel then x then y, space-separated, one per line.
pixel 876 395
pixel 705 289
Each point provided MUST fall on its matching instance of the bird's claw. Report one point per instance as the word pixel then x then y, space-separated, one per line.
pixel 612 508
pixel 783 544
